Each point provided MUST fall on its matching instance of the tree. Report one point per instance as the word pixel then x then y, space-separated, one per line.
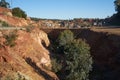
pixel 115 18
pixel 117 5
pixel 77 57
pixel 78 60
pixel 65 37
pixel 19 12
pixel 5 4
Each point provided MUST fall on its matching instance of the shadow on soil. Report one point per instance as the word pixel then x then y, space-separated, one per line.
pixel 38 70
pixel 105 50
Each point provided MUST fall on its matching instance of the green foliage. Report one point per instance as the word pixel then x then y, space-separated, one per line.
pixel 29 28
pixel 56 66
pixel 4 24
pixel 19 12
pixel 35 19
pixel 115 18
pixel 77 56
pixel 10 39
pixel 117 5
pixel 78 60
pixel 4 4
pixel 65 37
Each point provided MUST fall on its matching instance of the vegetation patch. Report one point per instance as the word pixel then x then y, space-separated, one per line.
pixel 15 76
pixel 10 39
pixel 74 61
pixel 29 28
pixel 3 24
pixel 19 13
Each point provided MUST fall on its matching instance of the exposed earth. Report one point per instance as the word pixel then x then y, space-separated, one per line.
pixel 28 59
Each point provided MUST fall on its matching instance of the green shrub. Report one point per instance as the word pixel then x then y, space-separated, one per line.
pixel 78 59
pixel 29 28
pixel 10 39
pixel 76 55
pixel 4 24
pixel 0 21
pixel 19 12
pixel 56 66
pixel 65 37
pixel 15 76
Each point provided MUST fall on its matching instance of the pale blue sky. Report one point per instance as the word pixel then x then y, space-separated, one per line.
pixel 66 9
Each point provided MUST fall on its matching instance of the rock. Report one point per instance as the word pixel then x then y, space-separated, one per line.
pixel 28 57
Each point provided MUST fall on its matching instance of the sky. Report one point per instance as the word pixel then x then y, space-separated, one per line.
pixel 65 9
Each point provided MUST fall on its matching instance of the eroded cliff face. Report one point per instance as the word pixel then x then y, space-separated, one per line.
pixel 14 21
pixel 28 58
pixel 33 48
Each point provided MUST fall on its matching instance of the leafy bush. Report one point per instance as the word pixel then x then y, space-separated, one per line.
pixel 10 39
pixel 77 58
pixel 4 24
pixel 65 37
pixel 19 12
pixel 29 28
pixel 56 66
pixel 117 5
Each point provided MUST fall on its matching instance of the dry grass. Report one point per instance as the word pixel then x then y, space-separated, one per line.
pixel 110 30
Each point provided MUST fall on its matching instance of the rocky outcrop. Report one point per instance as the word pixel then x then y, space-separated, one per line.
pixel 14 21
pixel 28 59
pixel 5 11
pixel 32 43
pixel 2 10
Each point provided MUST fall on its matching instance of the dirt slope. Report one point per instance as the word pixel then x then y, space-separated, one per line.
pixel 28 58
pixel 6 15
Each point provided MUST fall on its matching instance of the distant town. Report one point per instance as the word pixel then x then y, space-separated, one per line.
pixel 75 23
